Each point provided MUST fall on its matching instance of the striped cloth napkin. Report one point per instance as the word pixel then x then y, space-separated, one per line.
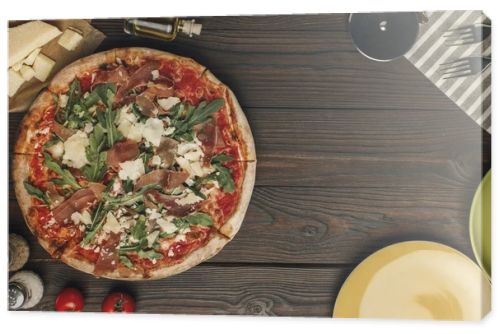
pixel 473 93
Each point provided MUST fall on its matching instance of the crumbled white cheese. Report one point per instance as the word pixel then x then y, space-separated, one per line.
pixel 185 147
pixel 132 169
pixel 169 102
pixel 185 165
pixel 152 214
pixel 155 74
pixel 88 128
pixel 56 150
pixel 117 187
pixel 166 224
pixel 112 224
pixel 74 150
pixel 128 125
pixel 155 161
pixel 151 238
pixel 83 218
pixel 153 130
pixel 182 236
pixel 170 253
pixel 63 100
pixel 190 198
pixel 169 131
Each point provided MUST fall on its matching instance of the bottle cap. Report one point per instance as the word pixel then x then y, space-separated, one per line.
pixel 190 28
pixel 17 296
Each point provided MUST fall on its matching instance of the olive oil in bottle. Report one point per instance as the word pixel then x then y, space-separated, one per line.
pixel 161 28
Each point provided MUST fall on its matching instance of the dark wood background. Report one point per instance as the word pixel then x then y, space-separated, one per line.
pixel 353 155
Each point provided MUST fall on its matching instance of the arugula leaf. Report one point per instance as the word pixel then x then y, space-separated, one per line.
pixel 51 142
pixel 65 174
pixel 99 93
pixel 128 185
pixel 113 202
pixel 34 191
pixel 73 97
pixel 96 168
pixel 97 222
pixel 220 158
pixel 166 235
pixel 149 254
pixel 126 261
pixel 112 133
pixel 224 178
pixel 194 219
pixel 185 116
pixel 222 174
pixel 139 230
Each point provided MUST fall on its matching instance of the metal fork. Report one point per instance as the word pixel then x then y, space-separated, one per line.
pixel 469 34
pixel 463 67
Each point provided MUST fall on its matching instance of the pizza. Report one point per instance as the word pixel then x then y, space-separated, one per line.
pixel 134 164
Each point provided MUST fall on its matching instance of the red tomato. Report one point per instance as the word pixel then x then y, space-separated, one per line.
pixel 118 302
pixel 69 299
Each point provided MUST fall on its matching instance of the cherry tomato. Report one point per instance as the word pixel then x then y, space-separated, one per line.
pixel 118 302
pixel 69 299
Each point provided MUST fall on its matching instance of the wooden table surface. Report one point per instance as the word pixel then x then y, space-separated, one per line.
pixel 353 155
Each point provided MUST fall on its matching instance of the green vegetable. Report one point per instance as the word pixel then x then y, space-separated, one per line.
pixel 113 202
pixel 34 191
pixel 222 174
pixel 73 97
pixel 128 185
pixel 100 93
pixel 185 116
pixel 195 219
pixel 66 176
pixel 126 261
pixel 97 222
pixel 149 254
pixel 96 168
pixel 51 142
pixel 139 230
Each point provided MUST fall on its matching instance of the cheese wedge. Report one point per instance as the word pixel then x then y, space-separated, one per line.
pixel 28 36
pixel 31 57
pixel 15 81
pixel 17 66
pixel 42 66
pixel 70 39
pixel 27 72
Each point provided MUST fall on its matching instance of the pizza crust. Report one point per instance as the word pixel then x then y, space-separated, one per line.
pixel 25 142
pixel 20 173
pixel 232 226
pixel 62 80
pixel 204 253
pixel 238 117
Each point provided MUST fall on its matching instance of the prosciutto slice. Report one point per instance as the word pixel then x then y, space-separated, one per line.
pixel 169 203
pixel 210 136
pixel 166 150
pixel 168 179
pixel 108 258
pixel 120 152
pixel 61 131
pixel 139 78
pixel 81 199
pixel 118 75
pixel 97 188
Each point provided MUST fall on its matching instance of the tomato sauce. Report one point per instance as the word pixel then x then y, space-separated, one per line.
pixel 85 82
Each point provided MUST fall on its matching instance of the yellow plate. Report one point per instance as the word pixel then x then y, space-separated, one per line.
pixel 415 280
pixel 480 224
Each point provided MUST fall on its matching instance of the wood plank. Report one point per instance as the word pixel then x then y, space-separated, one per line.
pixel 271 69
pixel 208 289
pixel 290 23
pixel 334 225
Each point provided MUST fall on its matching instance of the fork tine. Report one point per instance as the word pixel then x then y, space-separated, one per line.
pixel 465 28
pixel 462 42
pixel 455 69
pixel 459 75
pixel 459 36
pixel 453 62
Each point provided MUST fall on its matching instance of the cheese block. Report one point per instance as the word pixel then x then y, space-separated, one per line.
pixel 27 72
pixel 15 81
pixel 17 66
pixel 42 66
pixel 30 59
pixel 70 39
pixel 28 36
